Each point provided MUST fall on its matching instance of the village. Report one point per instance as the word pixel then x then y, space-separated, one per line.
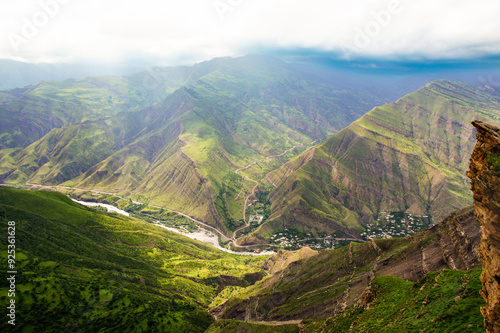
pixel 396 224
pixel 293 239
pixel 388 225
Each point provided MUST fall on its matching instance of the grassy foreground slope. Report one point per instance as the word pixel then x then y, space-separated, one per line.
pixel 408 156
pixel 79 270
pixel 446 301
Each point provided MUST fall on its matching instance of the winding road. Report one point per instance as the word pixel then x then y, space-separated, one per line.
pixel 224 238
pixel 252 192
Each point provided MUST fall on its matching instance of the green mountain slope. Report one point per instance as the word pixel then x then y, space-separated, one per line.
pixel 408 156
pixel 448 301
pixel 183 151
pixel 427 281
pixel 79 270
pixel 28 113
pixel 67 152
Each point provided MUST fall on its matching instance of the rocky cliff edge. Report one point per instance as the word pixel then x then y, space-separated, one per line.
pixel 484 173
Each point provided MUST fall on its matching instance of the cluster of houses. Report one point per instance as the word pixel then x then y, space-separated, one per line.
pixel 256 219
pixel 396 224
pixel 293 240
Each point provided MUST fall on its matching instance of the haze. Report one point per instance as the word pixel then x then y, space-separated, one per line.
pixel 185 32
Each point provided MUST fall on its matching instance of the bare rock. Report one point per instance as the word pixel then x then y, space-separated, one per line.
pixel 484 173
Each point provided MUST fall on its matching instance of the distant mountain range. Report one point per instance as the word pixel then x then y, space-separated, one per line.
pixel 202 139
pixel 18 74
pixel 176 137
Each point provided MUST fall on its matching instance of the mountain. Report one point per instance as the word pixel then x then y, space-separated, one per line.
pixel 407 156
pixel 427 281
pixel 19 74
pixel 85 270
pixel 29 113
pixel 203 139
pixel 80 270
pixel 182 151
pixel 484 173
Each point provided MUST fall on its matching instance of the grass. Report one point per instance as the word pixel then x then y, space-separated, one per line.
pixel 446 301
pixel 82 270
pixel 494 161
pixel 225 325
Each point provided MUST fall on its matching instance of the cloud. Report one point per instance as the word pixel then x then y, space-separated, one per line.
pixel 193 30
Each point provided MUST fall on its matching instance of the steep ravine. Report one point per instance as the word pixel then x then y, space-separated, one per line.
pixel 484 173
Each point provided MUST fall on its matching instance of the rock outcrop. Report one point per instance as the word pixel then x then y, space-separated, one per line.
pixel 484 173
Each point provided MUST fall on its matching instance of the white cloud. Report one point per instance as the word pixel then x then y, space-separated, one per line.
pixel 193 30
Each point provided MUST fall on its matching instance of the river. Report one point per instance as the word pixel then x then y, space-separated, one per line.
pixel 110 208
pixel 208 237
pixel 201 235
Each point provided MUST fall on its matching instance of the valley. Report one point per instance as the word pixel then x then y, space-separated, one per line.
pixel 228 135
pixel 149 260
pixel 197 135
pixel 255 195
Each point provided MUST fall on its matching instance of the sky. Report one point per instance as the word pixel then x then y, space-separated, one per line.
pixel 190 31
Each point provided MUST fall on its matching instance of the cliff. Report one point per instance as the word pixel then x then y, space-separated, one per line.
pixel 484 173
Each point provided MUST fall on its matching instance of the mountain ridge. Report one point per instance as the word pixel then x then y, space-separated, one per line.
pixel 232 112
pixel 394 158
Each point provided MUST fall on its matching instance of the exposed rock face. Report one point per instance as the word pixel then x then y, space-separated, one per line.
pixel 485 179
